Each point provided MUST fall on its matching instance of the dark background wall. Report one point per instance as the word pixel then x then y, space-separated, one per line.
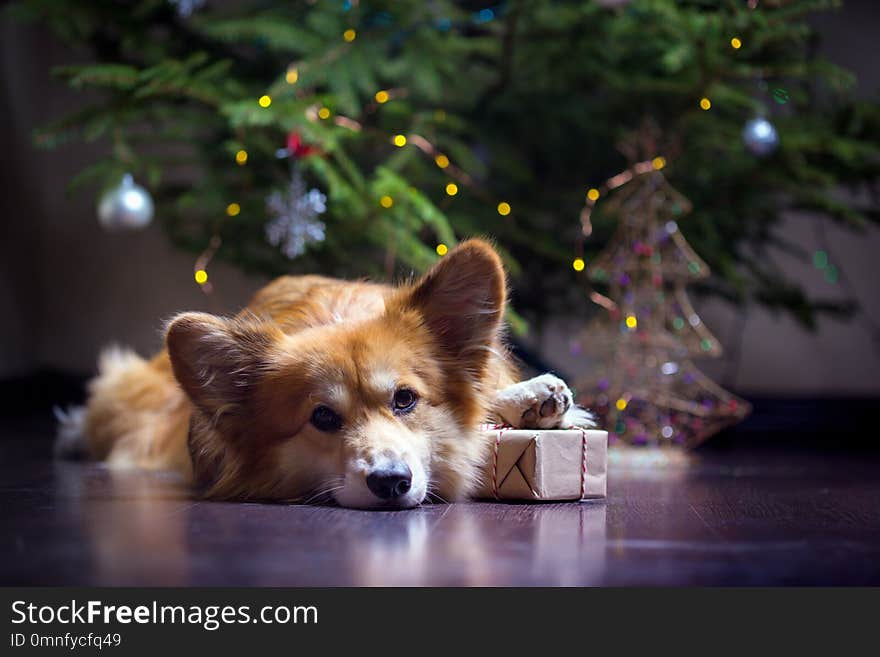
pixel 67 287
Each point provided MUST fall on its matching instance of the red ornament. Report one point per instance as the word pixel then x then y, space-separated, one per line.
pixel 296 147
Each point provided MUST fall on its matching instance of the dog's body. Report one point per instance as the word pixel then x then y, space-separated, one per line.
pixel 355 392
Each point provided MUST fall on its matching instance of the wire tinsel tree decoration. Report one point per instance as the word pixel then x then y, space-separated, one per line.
pixel 642 382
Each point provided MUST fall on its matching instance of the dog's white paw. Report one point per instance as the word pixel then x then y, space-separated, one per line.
pixel 544 402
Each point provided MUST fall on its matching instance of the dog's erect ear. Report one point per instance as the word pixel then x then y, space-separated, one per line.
pixel 462 298
pixel 216 360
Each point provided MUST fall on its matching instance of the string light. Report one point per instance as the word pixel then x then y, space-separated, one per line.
pixel 382 96
pixel 200 266
pixel 265 101
pixel 233 209
pixel 705 103
pixel 611 184
pixel 578 264
pixel 658 162
pixel 442 249
pixel 631 322
pixel 442 161
pixel 241 157
pixel 399 140
pixel 292 75
pixel 349 35
pixel 735 43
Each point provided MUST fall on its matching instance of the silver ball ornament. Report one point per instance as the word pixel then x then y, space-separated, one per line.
pixel 125 207
pixel 760 137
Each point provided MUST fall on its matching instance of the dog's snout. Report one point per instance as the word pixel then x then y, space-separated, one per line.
pixel 388 483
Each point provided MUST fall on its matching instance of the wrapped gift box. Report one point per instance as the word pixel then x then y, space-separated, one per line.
pixel 545 464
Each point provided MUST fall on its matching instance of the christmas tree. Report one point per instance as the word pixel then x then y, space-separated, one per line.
pixel 365 138
pixel 642 382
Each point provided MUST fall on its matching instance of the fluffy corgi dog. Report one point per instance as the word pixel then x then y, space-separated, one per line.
pixel 357 393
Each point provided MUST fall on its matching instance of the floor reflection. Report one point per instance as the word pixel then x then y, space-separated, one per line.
pixel 137 528
pixel 465 545
pixel 442 545
pixel 724 517
pixel 642 464
pixel 570 544
pixel 132 522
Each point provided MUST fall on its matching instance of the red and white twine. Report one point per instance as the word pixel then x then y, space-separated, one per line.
pixel 495 461
pixel 503 428
pixel 583 463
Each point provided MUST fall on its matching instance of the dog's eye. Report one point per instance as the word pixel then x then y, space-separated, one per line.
pixel 404 400
pixel 326 419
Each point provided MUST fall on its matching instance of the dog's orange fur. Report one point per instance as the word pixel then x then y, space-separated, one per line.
pixel 244 388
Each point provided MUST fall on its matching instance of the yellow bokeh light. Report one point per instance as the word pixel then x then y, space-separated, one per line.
pixel 620 404
pixel 504 209
pixel 578 264
pixel 452 189
pixel 324 113
pixel 735 43
pixel 631 321
pixel 201 277
pixel 399 141
pixel 292 75
pixel 241 156
pixel 658 162
pixel 382 97
pixel 265 101
pixel 233 209
pixel 593 194
pixel 705 103
pixel 386 201
pixel 442 161
pixel 442 249
pixel 349 35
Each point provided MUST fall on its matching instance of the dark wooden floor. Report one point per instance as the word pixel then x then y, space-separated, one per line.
pixel 730 516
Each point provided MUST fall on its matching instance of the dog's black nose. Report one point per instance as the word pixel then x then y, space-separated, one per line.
pixel 392 482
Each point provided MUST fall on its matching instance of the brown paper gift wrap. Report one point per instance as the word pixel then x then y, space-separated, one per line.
pixel 547 464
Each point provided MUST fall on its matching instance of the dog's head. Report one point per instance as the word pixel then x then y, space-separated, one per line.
pixel 376 413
